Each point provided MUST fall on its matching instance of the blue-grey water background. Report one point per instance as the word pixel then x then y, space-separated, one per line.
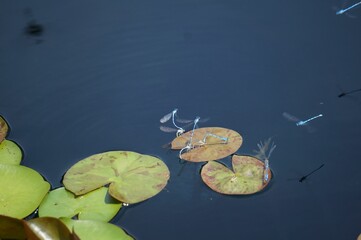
pixel 103 73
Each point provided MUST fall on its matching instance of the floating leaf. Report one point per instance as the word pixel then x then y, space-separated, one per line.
pixel 3 129
pixel 214 147
pixel 133 177
pixel 95 205
pixel 10 153
pixel 90 229
pixel 48 228
pixel 246 177
pixel 21 190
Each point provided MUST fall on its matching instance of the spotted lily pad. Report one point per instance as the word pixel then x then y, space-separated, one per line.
pixel 10 152
pixel 3 129
pixel 21 190
pixel 246 177
pixel 133 177
pixel 95 205
pixel 212 147
pixel 90 229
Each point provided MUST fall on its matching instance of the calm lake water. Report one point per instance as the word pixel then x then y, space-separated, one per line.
pixel 101 74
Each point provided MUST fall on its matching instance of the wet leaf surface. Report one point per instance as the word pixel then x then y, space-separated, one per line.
pixel 4 128
pixel 95 205
pixel 215 148
pixel 21 190
pixel 10 153
pixel 90 229
pixel 133 177
pixel 246 177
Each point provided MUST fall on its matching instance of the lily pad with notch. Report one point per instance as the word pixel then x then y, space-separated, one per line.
pixel 10 153
pixel 21 190
pixel 246 177
pixel 133 177
pixel 208 144
pixel 95 205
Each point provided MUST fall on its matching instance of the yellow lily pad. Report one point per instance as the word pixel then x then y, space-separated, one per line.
pixel 247 176
pixel 10 153
pixel 211 148
pixel 95 205
pixel 21 190
pixel 133 177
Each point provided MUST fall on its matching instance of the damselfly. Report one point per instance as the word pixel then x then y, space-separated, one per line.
pixel 179 130
pixel 300 122
pixel 263 147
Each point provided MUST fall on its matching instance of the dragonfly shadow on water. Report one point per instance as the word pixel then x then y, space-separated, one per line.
pixel 304 178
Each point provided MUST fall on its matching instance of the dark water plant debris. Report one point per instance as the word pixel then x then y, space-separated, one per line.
pixel 35 229
pixel 10 153
pixel 21 190
pixel 207 144
pixel 91 229
pixel 4 128
pixel 95 205
pixel 245 178
pixel 133 177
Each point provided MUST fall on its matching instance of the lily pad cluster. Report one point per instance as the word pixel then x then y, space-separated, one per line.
pixel 213 143
pixel 94 190
pixel 21 188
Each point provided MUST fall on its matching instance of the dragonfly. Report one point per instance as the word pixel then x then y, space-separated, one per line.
pixel 263 147
pixel 300 122
pixel 179 130
pixel 341 11
pixel 189 145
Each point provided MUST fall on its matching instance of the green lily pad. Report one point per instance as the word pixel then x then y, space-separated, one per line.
pixel 90 229
pixel 246 177
pixel 133 177
pixel 3 129
pixel 207 144
pixel 95 205
pixel 10 153
pixel 21 190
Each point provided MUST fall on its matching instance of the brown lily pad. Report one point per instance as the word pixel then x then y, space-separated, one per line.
pixel 246 177
pixel 213 148
pixel 3 129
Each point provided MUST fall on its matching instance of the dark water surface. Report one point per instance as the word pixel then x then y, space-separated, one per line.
pixel 102 73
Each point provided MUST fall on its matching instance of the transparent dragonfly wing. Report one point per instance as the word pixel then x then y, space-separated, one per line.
pixel 202 120
pixel 168 129
pixel 290 117
pixel 166 117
